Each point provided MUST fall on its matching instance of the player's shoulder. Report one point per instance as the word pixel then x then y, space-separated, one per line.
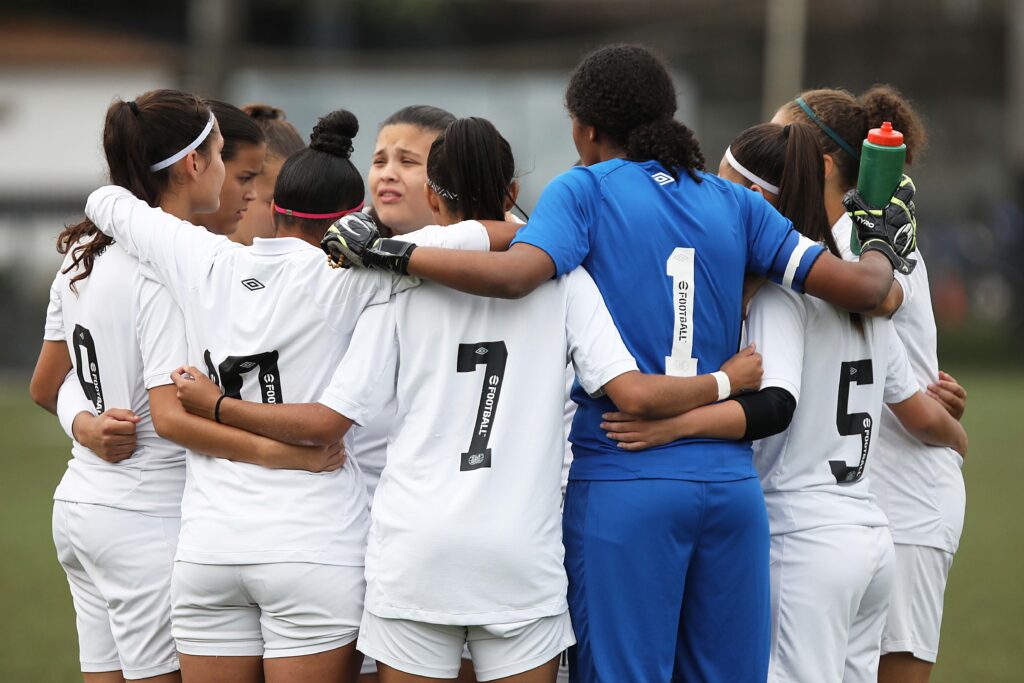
pixel 773 298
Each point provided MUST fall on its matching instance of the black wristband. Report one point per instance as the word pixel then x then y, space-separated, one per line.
pixel 216 408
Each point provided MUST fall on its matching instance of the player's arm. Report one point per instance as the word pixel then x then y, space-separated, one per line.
pixel 52 367
pixel 301 424
pixel 172 247
pixel 661 396
pixel 744 418
pixel 353 395
pixel 860 286
pixel 223 441
pixel 928 420
pixel 558 233
pixel 510 274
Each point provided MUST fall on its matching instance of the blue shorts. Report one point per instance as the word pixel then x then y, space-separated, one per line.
pixel 668 581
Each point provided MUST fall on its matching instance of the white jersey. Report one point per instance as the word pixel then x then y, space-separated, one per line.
pixel 99 325
pixel 920 487
pixel 466 523
pixel 816 473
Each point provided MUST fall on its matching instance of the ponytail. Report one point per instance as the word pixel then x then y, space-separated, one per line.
pixel 470 167
pixel 851 118
pixel 790 158
pixel 137 134
pixel 668 142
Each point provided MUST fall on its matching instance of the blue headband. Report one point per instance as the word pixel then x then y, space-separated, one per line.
pixel 825 129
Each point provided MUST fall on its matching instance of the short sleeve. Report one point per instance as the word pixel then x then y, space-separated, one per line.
pixel 595 347
pixel 364 381
pixel 776 323
pixel 774 248
pixel 53 330
pixel 71 400
pixel 160 329
pixel 900 383
pixel 467 236
pixel 561 222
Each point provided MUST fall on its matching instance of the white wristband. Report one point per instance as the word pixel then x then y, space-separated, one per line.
pixel 724 385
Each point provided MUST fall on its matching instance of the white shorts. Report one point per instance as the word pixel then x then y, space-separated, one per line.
pixel 915 612
pixel 283 609
pixel 561 677
pixel 118 564
pixel 830 591
pixel 435 650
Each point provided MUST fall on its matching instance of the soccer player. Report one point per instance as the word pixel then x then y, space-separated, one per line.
pixel 832 557
pixel 116 527
pixel 465 544
pixel 268 579
pixel 283 140
pixel 244 154
pixel 667 551
pixel 920 487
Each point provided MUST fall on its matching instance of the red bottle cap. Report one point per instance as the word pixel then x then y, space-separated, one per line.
pixel 885 136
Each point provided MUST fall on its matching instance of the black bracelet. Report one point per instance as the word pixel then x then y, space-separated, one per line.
pixel 216 408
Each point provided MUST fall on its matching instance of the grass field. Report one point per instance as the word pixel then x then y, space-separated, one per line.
pixel 983 631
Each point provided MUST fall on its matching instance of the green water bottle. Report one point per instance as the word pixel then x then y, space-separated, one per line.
pixel 881 169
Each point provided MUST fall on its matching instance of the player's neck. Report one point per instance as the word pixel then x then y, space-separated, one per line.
pixel 834 208
pixel 177 204
pixel 297 233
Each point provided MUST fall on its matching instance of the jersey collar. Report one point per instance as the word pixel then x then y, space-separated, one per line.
pixel 276 246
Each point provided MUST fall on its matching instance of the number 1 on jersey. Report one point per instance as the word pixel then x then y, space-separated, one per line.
pixel 680 268
pixel 492 355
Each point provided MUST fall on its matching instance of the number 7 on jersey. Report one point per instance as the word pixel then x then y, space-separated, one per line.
pixel 492 355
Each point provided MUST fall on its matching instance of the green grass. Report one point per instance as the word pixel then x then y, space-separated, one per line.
pixel 982 635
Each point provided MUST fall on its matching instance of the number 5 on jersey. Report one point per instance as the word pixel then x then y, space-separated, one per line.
pixel 492 355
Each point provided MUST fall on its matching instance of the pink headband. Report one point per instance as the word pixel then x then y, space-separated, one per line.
pixel 300 214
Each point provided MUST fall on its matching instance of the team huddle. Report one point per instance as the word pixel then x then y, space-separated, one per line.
pixel 676 426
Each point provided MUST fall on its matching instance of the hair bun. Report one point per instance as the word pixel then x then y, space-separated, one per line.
pixel 333 133
pixel 263 112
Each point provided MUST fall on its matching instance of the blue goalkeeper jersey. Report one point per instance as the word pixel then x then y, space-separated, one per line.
pixel 669 256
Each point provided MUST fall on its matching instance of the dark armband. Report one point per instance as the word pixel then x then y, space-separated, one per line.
pixel 768 411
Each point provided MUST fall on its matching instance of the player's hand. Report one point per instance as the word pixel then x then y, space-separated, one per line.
pixel 347 239
pixel 948 392
pixel 196 392
pixel 635 434
pixel 744 370
pixel 891 230
pixel 110 435
pixel 354 240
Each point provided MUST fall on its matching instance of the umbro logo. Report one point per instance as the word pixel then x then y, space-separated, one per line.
pixel 252 284
pixel 481 351
pixel 663 178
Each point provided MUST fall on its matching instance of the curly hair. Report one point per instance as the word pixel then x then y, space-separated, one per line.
pixel 852 117
pixel 626 93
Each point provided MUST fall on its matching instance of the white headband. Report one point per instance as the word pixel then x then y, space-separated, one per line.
pixel 774 189
pixel 160 165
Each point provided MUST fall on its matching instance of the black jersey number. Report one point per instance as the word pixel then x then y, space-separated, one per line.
pixel 851 424
pixel 492 355
pixel 229 374
pixel 86 361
